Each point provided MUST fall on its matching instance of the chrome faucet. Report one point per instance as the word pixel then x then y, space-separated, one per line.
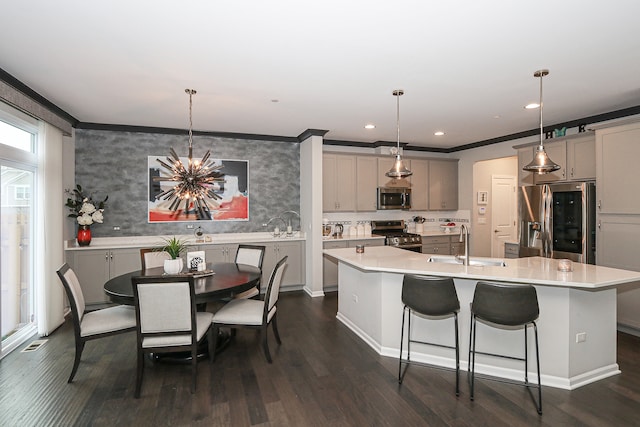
pixel 288 224
pixel 464 233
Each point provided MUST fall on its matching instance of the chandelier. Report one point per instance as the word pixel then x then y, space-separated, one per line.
pixel 398 170
pixel 541 162
pixel 194 181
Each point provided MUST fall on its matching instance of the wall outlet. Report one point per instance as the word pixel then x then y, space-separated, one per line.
pixel 116 228
pixel 189 226
pixel 581 337
pixel 355 298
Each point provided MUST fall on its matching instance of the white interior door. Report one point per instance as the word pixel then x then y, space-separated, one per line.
pixel 503 212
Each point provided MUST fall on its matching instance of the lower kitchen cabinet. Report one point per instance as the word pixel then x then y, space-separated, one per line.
pixel 294 274
pixel 443 245
pixel 95 267
pixel 330 265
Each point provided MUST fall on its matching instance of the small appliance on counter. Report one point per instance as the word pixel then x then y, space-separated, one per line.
pixel 326 228
pixel 338 230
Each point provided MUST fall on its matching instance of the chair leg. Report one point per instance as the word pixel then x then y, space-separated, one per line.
pixel 210 344
pixel 265 343
pixel 455 317
pixel 274 321
pixel 400 376
pixel 539 406
pixel 214 344
pixel 139 371
pixel 194 366
pixel 76 360
pixel 472 352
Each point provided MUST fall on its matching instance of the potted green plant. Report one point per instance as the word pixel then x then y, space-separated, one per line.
pixel 174 247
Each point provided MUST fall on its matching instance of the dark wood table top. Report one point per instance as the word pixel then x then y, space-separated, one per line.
pixel 229 279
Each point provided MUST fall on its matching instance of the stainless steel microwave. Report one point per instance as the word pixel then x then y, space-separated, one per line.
pixel 394 198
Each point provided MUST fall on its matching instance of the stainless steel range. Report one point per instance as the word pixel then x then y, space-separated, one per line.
pixel 395 235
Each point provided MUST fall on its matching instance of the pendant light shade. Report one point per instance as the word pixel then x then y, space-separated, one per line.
pixel 398 170
pixel 541 163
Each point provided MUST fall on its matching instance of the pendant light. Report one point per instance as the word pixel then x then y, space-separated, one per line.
pixel 194 181
pixel 398 170
pixel 541 162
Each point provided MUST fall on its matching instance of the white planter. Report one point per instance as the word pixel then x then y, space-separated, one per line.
pixel 173 266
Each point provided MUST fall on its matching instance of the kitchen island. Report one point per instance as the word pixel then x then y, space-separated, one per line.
pixel 577 324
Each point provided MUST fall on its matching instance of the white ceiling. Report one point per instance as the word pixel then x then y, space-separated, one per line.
pixel 330 64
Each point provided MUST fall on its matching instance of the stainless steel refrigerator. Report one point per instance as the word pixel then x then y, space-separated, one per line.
pixel 558 221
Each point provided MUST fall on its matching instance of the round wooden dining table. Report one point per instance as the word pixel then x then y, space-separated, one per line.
pixel 228 279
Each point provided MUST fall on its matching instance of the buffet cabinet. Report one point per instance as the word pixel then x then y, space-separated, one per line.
pixel 94 267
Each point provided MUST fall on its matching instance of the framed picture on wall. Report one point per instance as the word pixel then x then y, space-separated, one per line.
pixel 234 193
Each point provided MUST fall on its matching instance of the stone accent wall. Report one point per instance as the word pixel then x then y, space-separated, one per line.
pixel 115 163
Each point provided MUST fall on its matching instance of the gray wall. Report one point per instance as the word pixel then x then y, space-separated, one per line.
pixel 115 164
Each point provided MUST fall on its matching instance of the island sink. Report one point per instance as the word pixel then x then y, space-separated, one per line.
pixel 475 262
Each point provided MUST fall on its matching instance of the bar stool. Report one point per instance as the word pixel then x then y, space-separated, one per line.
pixel 434 297
pixel 508 307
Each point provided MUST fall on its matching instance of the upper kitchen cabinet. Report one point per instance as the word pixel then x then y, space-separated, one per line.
pixel 617 154
pixel 576 156
pixel 419 184
pixel 338 183
pixel 366 183
pixel 384 165
pixel 443 185
pixel 525 155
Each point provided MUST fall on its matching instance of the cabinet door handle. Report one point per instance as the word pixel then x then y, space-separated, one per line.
pixel 571 172
pixel 599 224
pixel 563 173
pixel 599 204
pixel 106 256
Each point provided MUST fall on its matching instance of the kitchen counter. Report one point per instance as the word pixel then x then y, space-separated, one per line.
pixel 152 241
pixel 577 324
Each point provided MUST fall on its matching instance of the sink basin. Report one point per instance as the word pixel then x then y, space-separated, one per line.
pixel 477 262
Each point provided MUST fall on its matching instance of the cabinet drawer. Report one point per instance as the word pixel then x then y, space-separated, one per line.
pixel 334 244
pixel 442 249
pixel 366 242
pixel 436 240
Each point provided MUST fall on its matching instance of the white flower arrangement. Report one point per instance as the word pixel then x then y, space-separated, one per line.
pixel 83 208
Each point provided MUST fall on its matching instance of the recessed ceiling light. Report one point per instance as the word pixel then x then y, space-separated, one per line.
pixel 439 133
pixel 497 116
pixel 275 100
pixel 532 106
pixel 369 126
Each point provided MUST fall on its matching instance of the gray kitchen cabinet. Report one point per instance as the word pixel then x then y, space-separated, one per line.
pixel 436 245
pixel 384 165
pixel 338 183
pixel 95 267
pixel 365 242
pixel 419 185
pixel 443 245
pixel 366 183
pixel 443 185
pixel 618 211
pixel 576 156
pixel 330 265
pixel 557 151
pixel 525 155
pixel 219 253
pixel 617 154
pixel 294 274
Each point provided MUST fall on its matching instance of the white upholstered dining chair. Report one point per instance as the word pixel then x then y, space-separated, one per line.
pixel 93 324
pixel 251 313
pixel 153 257
pixel 250 255
pixel 167 320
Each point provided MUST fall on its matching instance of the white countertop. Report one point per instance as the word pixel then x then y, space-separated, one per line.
pixel 533 270
pixel 215 239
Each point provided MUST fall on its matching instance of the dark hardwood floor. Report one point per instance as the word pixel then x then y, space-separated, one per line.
pixel 322 375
